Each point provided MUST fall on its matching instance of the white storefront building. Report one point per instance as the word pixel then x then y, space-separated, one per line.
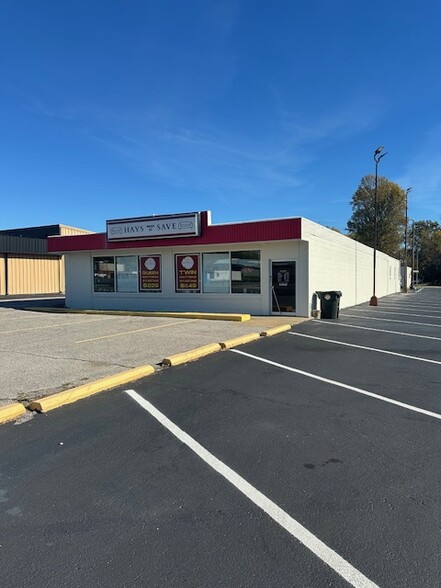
pixel 183 262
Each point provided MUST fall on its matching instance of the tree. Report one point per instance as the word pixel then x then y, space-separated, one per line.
pixel 428 244
pixel 391 215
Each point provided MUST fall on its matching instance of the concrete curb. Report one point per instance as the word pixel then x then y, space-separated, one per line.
pixel 209 316
pixel 10 412
pixel 191 355
pixel 15 410
pixel 74 394
pixel 275 330
pixel 239 340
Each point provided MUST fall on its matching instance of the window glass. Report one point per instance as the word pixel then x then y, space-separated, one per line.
pixel 187 272
pixel 216 272
pixel 150 273
pixel 104 274
pixel 127 273
pixel 245 272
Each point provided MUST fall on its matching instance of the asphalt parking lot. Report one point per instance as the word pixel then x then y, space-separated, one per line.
pixel 44 353
pixel 309 459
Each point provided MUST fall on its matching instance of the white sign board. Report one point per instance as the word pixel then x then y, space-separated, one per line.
pixel 154 227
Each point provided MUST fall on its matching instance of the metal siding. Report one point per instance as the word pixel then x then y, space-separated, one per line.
pixel 44 231
pixel 23 245
pixel 259 231
pixel 33 275
pixel 66 231
pixel 33 232
pixel 2 276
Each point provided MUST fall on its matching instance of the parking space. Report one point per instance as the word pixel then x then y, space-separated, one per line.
pixel 309 459
pixel 419 313
pixel 105 496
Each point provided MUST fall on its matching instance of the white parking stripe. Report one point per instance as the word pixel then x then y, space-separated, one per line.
pixel 367 348
pixel 125 333
pixel 373 318
pixel 341 385
pixel 56 326
pixel 422 307
pixel 339 324
pixel 298 531
pixel 394 312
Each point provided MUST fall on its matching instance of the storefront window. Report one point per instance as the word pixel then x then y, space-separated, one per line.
pixel 150 273
pixel 216 272
pixel 104 274
pixel 187 272
pixel 127 273
pixel 245 272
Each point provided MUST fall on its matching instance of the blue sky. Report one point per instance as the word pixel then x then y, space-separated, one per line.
pixel 248 108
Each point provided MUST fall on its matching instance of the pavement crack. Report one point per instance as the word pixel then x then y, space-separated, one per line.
pixel 104 363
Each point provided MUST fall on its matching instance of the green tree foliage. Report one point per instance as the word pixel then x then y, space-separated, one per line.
pixel 391 210
pixel 428 243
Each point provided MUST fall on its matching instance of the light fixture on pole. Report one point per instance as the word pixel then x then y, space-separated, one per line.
pixel 405 243
pixel 374 300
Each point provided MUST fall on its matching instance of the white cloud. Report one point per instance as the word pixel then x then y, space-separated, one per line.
pixel 218 163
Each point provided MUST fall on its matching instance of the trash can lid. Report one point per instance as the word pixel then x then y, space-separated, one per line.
pixel 327 294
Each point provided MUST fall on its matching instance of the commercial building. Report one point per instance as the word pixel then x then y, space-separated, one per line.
pixel 26 267
pixel 183 262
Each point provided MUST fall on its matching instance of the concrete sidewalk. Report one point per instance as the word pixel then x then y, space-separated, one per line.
pixel 43 353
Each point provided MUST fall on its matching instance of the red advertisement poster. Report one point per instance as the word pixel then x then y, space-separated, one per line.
pixel 187 273
pixel 150 273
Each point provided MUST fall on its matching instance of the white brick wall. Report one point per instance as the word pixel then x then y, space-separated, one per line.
pixel 337 262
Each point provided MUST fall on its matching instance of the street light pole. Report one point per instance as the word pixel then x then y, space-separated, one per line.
pixel 405 243
pixel 412 279
pixel 374 300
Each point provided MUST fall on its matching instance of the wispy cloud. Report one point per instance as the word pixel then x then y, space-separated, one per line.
pixel 202 158
pixel 157 144
pixel 359 113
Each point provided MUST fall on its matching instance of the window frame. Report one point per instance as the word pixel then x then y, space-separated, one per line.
pixel 94 274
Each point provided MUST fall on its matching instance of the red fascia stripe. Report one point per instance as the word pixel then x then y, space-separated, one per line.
pixel 250 232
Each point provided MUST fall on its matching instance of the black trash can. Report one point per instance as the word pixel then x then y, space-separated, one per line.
pixel 329 304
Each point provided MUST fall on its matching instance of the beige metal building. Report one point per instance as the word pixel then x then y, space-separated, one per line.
pixel 26 267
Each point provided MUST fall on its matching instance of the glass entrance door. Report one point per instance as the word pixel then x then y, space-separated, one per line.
pixel 283 286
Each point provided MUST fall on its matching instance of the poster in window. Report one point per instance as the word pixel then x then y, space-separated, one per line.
pixel 150 273
pixel 187 273
pixel 283 277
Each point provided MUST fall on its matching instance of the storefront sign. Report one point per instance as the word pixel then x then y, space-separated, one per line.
pixel 154 227
pixel 150 273
pixel 187 273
